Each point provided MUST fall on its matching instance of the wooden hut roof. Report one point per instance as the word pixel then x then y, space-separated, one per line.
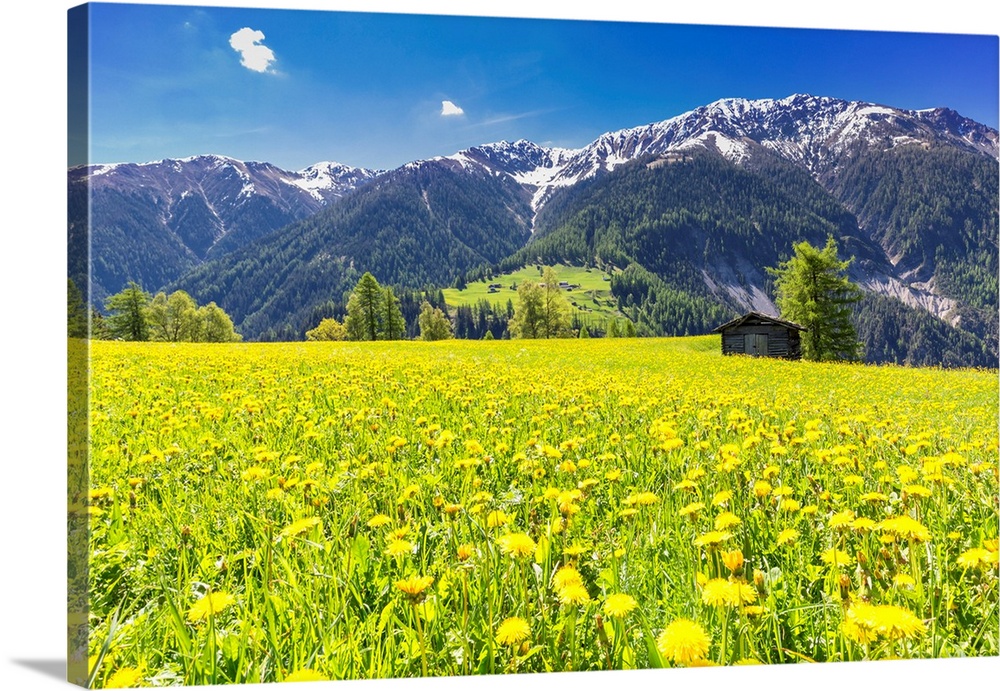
pixel 761 318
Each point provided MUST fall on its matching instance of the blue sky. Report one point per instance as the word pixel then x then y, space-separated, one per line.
pixel 379 90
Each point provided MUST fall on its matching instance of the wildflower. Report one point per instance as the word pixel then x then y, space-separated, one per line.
pixel 256 473
pixel 836 557
pixel 789 505
pixel 903 580
pixel 971 558
pixel 719 592
pixel 862 524
pixel 565 576
pixel 124 678
pixel 573 594
pixel 711 538
pixel 398 548
pixel 905 527
pixel 495 519
pixel 210 605
pixel 733 560
pixel 761 488
pixel 642 499
pixel 379 520
pixel 722 498
pixel 691 509
pixel 306 674
pixel 841 519
pixel 465 551
pixel 787 536
pixel 512 631
pixel 303 525
pixel 726 519
pixel 684 642
pixel 414 586
pixel 517 544
pixel 619 604
pixel 889 621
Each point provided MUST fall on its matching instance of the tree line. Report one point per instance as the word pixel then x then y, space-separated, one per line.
pixel 135 315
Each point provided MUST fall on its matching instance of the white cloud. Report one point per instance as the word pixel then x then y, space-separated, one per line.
pixel 449 109
pixel 253 54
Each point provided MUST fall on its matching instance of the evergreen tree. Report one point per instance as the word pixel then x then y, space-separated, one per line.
pixel 813 290
pixel 76 312
pixel 364 310
pixel 127 314
pixel 393 324
pixel 434 325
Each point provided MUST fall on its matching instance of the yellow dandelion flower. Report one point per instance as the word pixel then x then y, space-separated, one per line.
pixel 517 545
pixel 565 576
pixel 301 526
pixel 691 509
pixel 379 520
pixel 711 538
pixel 841 519
pixel 573 594
pixel 836 557
pixel 903 580
pixel 789 505
pixel 124 678
pixel 399 533
pixel 905 527
pixel 619 604
pixel 684 642
pixel 718 592
pixel 874 497
pixel 744 593
pixel 890 621
pixel 210 605
pixel 306 674
pixel 916 491
pixel 642 499
pixel 726 519
pixel 512 631
pixel 256 473
pixel 761 488
pixel 787 536
pixel 495 519
pixel 398 548
pixel 465 551
pixel 971 558
pixel 415 585
pixel 733 560
pixel 722 498
pixel 862 524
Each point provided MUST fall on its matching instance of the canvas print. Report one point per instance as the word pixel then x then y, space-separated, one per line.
pixel 405 345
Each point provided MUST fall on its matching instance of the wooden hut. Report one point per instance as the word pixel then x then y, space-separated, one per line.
pixel 759 334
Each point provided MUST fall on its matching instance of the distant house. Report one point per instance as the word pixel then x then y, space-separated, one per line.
pixel 762 335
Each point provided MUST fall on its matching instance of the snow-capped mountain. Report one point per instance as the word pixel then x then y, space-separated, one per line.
pixel 152 221
pixel 811 131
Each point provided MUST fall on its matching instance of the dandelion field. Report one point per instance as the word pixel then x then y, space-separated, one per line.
pixel 278 512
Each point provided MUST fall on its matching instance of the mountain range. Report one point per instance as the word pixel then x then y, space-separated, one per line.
pixel 693 209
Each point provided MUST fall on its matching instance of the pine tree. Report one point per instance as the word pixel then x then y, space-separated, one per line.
pixel 393 324
pixel 364 310
pixel 813 290
pixel 127 314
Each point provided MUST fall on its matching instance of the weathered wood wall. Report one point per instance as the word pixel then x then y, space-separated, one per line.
pixel 782 342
